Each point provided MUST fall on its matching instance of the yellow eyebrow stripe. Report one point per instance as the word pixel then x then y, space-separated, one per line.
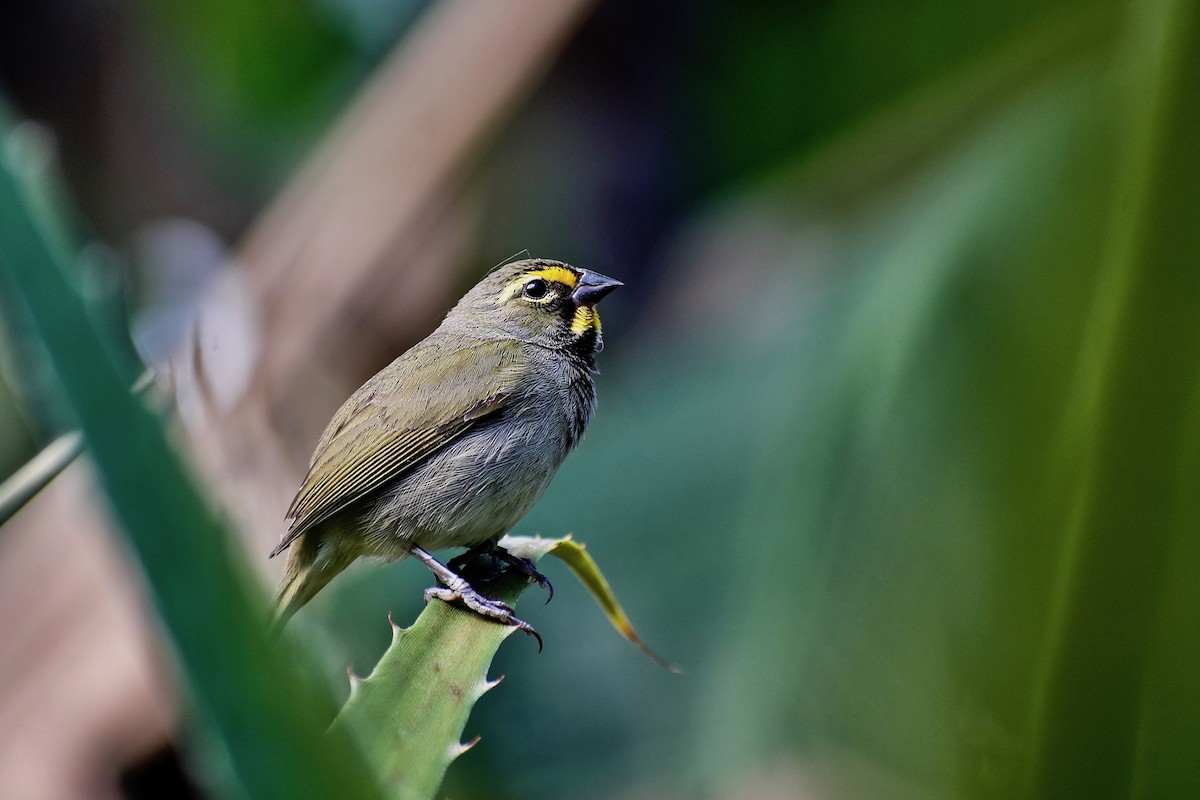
pixel 558 274
pixel 549 274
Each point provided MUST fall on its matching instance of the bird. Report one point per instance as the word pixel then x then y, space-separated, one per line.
pixel 452 443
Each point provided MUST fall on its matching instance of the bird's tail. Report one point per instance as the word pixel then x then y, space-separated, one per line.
pixel 309 567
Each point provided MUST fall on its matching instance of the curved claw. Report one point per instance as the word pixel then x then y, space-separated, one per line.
pixel 545 584
pixel 526 566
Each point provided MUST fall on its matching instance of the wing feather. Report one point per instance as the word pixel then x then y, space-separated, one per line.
pixel 420 403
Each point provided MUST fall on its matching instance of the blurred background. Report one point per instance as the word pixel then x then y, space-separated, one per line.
pixel 897 453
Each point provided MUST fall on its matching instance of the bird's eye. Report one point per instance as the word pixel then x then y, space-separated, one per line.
pixel 536 289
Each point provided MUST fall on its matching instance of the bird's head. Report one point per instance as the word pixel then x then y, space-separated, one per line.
pixel 539 301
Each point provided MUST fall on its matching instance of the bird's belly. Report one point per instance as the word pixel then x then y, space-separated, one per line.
pixel 476 489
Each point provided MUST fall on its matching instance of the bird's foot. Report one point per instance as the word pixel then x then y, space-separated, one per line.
pixel 483 606
pixel 455 587
pixel 526 566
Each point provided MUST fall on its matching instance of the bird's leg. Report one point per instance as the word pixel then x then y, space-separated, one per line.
pixel 498 554
pixel 455 587
pixel 460 562
pixel 527 566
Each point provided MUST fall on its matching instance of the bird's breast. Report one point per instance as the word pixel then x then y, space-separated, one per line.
pixel 479 486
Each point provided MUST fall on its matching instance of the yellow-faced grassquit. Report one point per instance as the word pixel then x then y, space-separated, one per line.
pixel 453 442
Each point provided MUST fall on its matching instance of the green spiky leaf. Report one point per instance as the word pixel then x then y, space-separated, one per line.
pixel 575 556
pixel 410 712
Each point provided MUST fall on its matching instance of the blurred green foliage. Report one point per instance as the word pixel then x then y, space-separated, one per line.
pixel 911 569
pixel 775 81
pixel 898 444
pixel 263 80
pixel 267 717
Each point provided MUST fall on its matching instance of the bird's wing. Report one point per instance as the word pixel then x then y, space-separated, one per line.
pixel 420 403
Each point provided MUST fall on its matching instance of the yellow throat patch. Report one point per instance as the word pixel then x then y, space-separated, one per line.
pixel 586 318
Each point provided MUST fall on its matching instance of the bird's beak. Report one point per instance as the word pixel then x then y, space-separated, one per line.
pixel 592 288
